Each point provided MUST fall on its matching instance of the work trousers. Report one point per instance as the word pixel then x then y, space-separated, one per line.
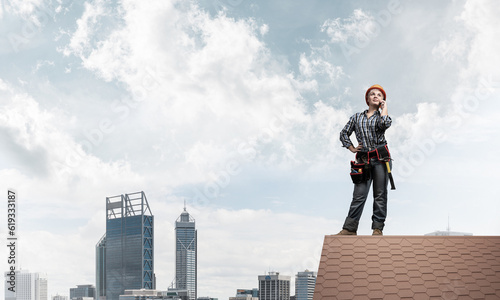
pixel 379 178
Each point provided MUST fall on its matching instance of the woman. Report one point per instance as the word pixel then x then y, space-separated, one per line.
pixel 369 127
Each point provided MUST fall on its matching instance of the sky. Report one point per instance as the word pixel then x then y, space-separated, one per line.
pixel 234 107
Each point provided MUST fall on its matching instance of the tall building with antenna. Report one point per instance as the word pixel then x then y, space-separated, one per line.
pixel 124 256
pixel 448 231
pixel 186 254
pixel 304 285
pixel 274 286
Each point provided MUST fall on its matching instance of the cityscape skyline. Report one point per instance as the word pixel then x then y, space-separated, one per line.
pixel 127 227
pixel 124 258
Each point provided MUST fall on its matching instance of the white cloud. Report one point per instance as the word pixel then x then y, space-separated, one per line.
pixel 20 7
pixel 41 64
pixel 86 26
pixel 210 78
pixel 359 26
pixel 312 66
pixel 457 119
pixel 452 49
pixel 264 29
pixel 36 140
pixel 473 39
pixel 480 18
pixel 479 80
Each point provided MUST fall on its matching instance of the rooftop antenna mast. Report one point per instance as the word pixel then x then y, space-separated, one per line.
pixel 448 228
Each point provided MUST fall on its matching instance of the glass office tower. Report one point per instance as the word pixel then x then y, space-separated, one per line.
pixel 100 268
pixel 304 285
pixel 186 254
pixel 128 245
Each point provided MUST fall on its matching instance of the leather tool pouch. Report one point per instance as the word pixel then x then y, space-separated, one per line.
pixel 360 172
pixel 383 153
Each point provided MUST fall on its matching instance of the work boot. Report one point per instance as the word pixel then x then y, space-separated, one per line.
pixel 346 232
pixel 377 231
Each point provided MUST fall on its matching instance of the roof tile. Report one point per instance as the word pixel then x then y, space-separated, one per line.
pixel 405 293
pixel 387 274
pixel 360 290
pixel 433 292
pixel 376 294
pixel 389 281
pixel 345 295
pixel 419 288
pixel 476 295
pixel 416 281
pixel 343 287
pixel 420 296
pixel 391 297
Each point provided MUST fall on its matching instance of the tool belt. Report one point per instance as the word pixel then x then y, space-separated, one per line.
pixel 361 168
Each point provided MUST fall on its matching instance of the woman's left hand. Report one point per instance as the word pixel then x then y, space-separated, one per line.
pixel 383 107
pixel 382 104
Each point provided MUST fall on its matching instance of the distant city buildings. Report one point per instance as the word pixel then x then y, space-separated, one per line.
pixel 253 292
pixel 82 291
pixel 244 297
pixel 449 233
pixel 59 297
pixel 274 286
pixel 304 285
pixel 186 255
pixel 28 286
pixel 124 256
pixel 143 294
pixel 242 294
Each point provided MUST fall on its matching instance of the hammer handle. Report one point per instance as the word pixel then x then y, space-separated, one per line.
pixel 393 187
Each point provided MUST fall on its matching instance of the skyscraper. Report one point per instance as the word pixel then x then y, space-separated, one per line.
pixel 186 266
pixel 128 246
pixel 100 268
pixel 29 286
pixel 304 285
pixel 274 287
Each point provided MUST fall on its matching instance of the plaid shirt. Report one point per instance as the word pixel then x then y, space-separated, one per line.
pixel 369 131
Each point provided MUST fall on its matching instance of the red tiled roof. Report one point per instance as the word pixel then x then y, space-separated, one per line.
pixel 409 267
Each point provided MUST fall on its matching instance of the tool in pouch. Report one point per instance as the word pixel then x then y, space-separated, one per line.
pixel 360 169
